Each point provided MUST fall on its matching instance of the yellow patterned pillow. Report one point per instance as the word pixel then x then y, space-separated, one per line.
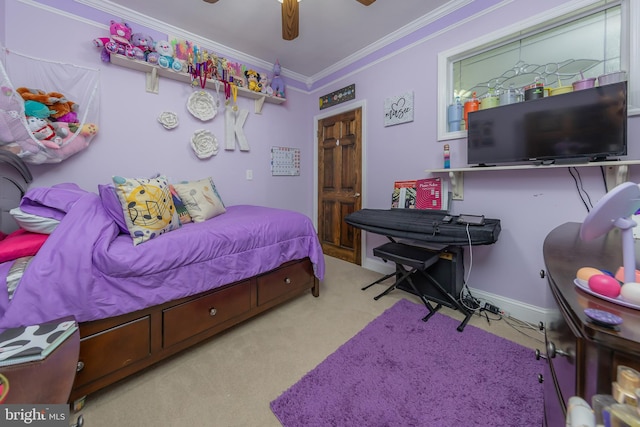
pixel 148 207
pixel 201 199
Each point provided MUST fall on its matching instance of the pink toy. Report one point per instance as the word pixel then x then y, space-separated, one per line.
pixel 119 41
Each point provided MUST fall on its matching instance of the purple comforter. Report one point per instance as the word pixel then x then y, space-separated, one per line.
pixel 88 270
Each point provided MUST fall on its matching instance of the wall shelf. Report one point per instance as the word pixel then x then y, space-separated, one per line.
pixel 154 71
pixel 616 172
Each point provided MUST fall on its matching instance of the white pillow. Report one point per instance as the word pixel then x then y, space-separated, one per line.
pixel 200 198
pixel 34 223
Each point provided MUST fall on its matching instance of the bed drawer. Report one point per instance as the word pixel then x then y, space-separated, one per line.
pixel 292 278
pixel 112 349
pixel 186 320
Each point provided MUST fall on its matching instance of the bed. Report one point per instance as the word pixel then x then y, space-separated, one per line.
pixel 138 304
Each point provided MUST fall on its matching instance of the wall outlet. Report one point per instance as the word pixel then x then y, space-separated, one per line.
pixel 249 174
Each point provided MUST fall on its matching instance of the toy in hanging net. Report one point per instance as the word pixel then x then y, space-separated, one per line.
pixel 48 110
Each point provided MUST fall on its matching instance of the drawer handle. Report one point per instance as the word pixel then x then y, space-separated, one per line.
pixel 539 355
pixel 287 280
pixel 80 366
pixel 213 311
pixel 552 351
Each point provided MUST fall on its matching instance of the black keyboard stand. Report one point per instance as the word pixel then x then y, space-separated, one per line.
pixel 418 260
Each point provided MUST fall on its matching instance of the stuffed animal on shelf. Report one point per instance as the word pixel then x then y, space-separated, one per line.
pixel 277 84
pixel 46 133
pixel 142 45
pixel 163 56
pixel 253 80
pixel 119 41
pixel 264 85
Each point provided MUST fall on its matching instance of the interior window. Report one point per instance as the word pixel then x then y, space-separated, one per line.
pixel 554 53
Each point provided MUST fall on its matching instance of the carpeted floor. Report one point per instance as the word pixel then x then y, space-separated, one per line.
pixel 399 371
pixel 230 380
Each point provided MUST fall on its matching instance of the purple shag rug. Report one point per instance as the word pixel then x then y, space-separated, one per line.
pixel 401 371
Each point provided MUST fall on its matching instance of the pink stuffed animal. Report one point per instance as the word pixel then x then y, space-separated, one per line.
pixel 119 41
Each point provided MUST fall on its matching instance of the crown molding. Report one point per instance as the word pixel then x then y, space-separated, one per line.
pixel 160 26
pixel 172 31
pixel 410 28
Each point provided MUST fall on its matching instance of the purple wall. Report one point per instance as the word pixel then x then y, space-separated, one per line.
pixel 130 142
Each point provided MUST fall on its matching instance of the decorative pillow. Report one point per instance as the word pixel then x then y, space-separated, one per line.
pixel 111 204
pixel 148 207
pixel 34 223
pixel 183 213
pixel 201 199
pixel 21 243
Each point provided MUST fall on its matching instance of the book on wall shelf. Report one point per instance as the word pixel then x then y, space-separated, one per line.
pixel 429 193
pixel 34 342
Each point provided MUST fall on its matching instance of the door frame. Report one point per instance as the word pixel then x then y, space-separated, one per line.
pixel 363 138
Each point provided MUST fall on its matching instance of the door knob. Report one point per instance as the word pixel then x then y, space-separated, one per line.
pixel 356 195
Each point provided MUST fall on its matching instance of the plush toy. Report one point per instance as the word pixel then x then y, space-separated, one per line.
pixel 65 110
pixel 163 56
pixel 119 41
pixel 61 109
pixel 252 80
pixel 37 109
pixel 142 45
pixel 264 85
pixel 46 133
pixel 77 138
pixel 277 84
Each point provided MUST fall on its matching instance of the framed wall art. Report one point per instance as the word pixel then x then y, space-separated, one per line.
pixel 398 109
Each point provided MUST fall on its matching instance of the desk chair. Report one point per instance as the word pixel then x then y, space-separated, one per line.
pixel 418 260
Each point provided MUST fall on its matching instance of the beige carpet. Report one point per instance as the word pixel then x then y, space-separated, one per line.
pixel 230 380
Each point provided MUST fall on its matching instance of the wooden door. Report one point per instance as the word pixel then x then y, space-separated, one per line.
pixel 339 183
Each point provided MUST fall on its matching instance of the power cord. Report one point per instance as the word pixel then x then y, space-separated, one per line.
pixel 578 180
pixel 518 325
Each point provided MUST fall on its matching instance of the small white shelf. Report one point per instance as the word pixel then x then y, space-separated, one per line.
pixel 137 65
pixel 616 172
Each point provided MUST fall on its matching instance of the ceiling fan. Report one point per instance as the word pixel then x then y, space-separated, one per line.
pixel 290 16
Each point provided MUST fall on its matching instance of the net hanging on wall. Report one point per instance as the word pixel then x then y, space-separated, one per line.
pixel 48 110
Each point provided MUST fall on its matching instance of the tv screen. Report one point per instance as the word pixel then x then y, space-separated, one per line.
pixel 579 126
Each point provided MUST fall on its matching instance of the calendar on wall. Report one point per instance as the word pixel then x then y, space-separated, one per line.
pixel 285 161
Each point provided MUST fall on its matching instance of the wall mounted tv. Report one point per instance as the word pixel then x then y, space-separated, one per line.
pixel 576 127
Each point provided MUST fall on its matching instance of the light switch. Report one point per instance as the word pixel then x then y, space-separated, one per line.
pixel 249 174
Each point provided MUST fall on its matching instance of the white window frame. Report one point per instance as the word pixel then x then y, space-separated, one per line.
pixel 629 43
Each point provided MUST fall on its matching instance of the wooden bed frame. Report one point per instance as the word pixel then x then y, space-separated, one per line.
pixel 114 348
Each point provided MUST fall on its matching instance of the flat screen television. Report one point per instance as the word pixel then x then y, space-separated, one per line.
pixel 580 126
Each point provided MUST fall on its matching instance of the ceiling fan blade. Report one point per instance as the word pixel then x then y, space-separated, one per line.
pixel 290 19
pixel 364 2
pixel 211 1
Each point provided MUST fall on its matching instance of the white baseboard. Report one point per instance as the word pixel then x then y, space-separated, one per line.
pixel 513 308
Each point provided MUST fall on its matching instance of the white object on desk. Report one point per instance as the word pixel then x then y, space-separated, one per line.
pixel 579 413
pixel 636 229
